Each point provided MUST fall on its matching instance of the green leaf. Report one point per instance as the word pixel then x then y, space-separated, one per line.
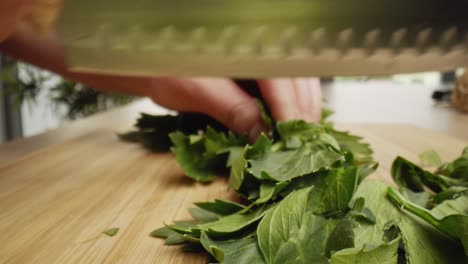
pixel 234 223
pixel 359 212
pixel 362 152
pixel 237 174
pixel 430 158
pixel 202 157
pixel 190 158
pixel 111 232
pixel 385 253
pixel 365 215
pixel 307 244
pixel 152 140
pixel 450 193
pixel 289 234
pixel 295 134
pixel 238 171
pixel 299 128
pixel 218 143
pixel 234 154
pixel 269 190
pixel 407 174
pixel 202 215
pixel 357 204
pixel 266 118
pixel 454 226
pixel 221 207
pixel 174 239
pixel 192 248
pixel 459 205
pixel 275 229
pixel 326 113
pixel 152 131
pixel 333 192
pixel 342 237
pixel 458 169
pixel 365 171
pixel 237 251
pixel 419 198
pixel 186 227
pixel 290 164
pixel 162 232
pixel 429 247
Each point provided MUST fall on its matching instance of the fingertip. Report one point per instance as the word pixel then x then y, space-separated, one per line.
pixel 241 116
pixel 257 130
pixel 279 94
pixel 309 99
pixel 219 98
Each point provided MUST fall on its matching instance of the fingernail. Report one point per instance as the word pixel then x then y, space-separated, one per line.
pixel 256 130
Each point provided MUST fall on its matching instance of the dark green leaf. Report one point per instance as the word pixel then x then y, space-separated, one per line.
pixel 411 176
pixel 266 118
pixel 234 223
pixel 450 193
pixel 459 205
pixel 365 171
pixel 454 226
pixel 386 253
pixel 365 215
pixel 163 232
pixel 174 239
pixel 290 234
pixel 221 207
pixel 190 158
pixel 202 215
pixel 269 190
pixel 357 204
pixel 280 223
pixel 186 227
pixel 237 174
pixel 244 250
pixel 290 164
pixel 306 244
pixel 429 247
pixel 202 158
pixel 191 247
pixel 333 192
pixel 342 237
pixel 458 169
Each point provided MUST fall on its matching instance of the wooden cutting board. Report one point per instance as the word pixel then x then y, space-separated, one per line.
pixel 55 202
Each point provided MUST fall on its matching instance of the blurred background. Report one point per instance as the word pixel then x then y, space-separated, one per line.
pixel 33 101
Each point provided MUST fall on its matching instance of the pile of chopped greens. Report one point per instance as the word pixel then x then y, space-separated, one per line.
pixel 305 199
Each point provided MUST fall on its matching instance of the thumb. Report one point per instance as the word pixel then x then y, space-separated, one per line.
pixel 221 99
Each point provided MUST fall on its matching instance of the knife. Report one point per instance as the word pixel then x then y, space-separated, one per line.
pixel 264 38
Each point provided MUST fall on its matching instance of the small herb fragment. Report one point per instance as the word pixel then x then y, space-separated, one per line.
pixel 111 232
pixel 430 158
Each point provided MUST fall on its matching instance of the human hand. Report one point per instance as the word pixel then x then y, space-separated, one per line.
pixel 39 15
pixel 225 101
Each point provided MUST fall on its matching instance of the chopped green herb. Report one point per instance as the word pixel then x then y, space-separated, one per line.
pixel 111 232
pixel 305 199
